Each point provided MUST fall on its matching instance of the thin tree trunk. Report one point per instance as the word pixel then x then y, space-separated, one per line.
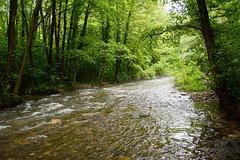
pixel 24 18
pixel 84 29
pixel 57 35
pixel 71 26
pixel 52 33
pixel 83 33
pixel 118 39
pixel 44 35
pixel 63 43
pixel 67 66
pixel 101 77
pixel 105 30
pixel 75 72
pixel 28 47
pixel 26 28
pixel 127 28
pixel 11 38
pixel 117 70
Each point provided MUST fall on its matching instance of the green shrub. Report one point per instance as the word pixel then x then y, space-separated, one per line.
pixel 188 77
pixel 159 68
pixel 148 73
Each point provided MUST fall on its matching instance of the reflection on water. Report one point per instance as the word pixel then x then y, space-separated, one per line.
pixel 142 120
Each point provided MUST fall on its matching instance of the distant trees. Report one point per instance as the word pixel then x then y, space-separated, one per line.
pixel 53 43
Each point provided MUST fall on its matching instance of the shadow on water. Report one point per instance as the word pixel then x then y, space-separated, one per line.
pixel 140 120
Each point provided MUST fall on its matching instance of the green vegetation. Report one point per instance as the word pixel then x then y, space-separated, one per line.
pixel 46 44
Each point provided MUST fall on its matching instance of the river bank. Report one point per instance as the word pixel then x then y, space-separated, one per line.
pixel 204 97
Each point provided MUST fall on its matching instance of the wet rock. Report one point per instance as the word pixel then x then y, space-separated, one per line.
pixel 56 121
pixel 144 116
pixel 183 94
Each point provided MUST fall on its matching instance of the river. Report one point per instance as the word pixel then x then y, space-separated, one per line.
pixel 144 120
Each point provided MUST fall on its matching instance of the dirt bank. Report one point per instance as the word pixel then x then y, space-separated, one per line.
pixel 204 96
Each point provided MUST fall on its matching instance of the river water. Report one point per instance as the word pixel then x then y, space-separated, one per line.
pixel 140 120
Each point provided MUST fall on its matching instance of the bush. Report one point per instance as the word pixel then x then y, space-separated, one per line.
pixel 148 73
pixel 188 77
pixel 159 68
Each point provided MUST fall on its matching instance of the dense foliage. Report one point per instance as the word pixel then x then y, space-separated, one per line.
pixel 76 40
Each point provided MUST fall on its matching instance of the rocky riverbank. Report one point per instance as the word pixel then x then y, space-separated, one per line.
pixel 204 96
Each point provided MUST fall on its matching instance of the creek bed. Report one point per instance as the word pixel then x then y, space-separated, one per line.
pixel 140 120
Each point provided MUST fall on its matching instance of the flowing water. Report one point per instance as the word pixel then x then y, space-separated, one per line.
pixel 141 120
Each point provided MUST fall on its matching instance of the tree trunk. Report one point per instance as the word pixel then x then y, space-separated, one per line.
pixel 118 39
pixel 208 34
pixel 57 36
pixel 11 38
pixel 84 28
pixel 117 70
pixel 28 47
pixel 230 104
pixel 71 26
pixel 44 35
pixel 50 52
pixel 63 42
pixel 24 18
pixel 101 77
pixel 75 72
pixel 127 28
pixel 105 30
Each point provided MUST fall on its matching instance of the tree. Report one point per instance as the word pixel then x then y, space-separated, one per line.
pixel 28 46
pixel 11 39
pixel 214 20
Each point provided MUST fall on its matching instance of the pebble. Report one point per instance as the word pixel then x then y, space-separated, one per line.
pixel 56 121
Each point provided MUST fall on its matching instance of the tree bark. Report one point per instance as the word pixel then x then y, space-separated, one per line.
pixel 11 38
pixel 127 28
pixel 28 46
pixel 57 36
pixel 208 34
pixel 71 26
pixel 24 19
pixel 63 42
pixel 52 33
pixel 209 41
